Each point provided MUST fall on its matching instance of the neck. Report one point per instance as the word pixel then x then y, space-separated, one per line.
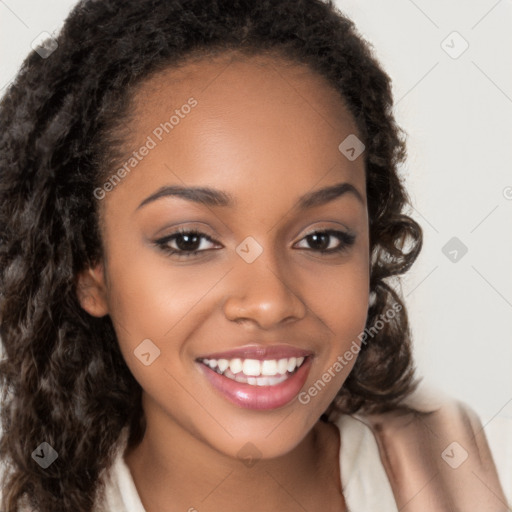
pixel 171 465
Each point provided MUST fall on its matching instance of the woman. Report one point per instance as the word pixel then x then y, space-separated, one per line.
pixel 181 330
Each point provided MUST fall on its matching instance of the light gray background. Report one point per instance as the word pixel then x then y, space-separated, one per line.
pixel 458 116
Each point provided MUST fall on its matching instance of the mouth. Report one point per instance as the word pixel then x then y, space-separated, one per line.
pixel 258 378
pixel 269 372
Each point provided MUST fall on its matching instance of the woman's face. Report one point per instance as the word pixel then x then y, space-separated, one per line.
pixel 237 151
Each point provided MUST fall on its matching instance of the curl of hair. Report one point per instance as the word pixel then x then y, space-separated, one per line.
pixel 63 377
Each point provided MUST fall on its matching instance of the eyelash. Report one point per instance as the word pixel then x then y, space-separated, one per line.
pixel 346 240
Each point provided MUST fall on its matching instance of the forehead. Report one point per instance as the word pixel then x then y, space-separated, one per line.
pixel 245 84
pixel 256 119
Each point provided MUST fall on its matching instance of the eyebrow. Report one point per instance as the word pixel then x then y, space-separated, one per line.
pixel 212 197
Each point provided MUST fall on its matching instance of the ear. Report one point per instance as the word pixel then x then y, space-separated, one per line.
pixel 92 292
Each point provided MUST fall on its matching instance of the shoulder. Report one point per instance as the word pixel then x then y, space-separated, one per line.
pixel 436 455
pixel 431 409
pixel 117 490
pixel 364 482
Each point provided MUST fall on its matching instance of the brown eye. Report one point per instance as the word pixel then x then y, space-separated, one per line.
pixel 186 243
pixel 329 241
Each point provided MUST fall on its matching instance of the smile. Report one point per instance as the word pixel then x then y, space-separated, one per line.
pixel 259 378
pixel 269 372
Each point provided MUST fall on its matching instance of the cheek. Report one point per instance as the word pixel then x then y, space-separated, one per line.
pixel 340 295
pixel 149 297
pixel 340 298
pixel 152 301
pixel 345 303
pixel 153 310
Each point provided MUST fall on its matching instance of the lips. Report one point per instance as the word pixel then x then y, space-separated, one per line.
pixel 259 352
pixel 258 377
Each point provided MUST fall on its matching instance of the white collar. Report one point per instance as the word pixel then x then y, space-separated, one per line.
pixel 365 484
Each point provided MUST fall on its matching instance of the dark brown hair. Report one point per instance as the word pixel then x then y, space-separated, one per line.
pixel 64 379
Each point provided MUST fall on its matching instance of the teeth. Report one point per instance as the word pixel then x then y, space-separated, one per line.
pixel 269 367
pixel 261 381
pixel 222 364
pixel 282 366
pixel 239 377
pixel 252 367
pixel 257 381
pixel 235 365
pixel 291 364
pixel 268 372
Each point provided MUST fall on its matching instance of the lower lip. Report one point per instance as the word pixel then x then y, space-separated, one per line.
pixel 259 397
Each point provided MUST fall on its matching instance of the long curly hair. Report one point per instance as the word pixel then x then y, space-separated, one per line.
pixel 63 377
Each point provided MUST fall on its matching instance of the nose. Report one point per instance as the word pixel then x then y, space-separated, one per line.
pixel 261 293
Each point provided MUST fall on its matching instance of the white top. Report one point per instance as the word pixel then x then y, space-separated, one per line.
pixel 415 452
pixel 364 483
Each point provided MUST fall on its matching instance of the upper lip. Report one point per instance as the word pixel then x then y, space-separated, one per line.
pixel 259 352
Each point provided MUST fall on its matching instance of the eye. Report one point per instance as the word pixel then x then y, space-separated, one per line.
pixel 186 243
pixel 329 241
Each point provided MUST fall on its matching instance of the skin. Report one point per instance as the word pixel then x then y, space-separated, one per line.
pixel 259 124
